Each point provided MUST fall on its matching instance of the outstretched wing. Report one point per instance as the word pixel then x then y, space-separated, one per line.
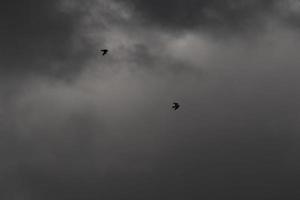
pixel 175 105
pixel 104 51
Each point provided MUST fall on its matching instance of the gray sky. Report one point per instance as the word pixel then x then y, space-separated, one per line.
pixel 77 125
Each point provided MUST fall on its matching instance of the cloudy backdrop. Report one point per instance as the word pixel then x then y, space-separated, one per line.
pixel 76 125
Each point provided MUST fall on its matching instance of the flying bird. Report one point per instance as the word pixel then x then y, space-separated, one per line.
pixel 175 105
pixel 104 51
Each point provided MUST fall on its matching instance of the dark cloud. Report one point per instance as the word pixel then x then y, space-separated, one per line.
pixel 111 133
pixel 225 16
pixel 37 36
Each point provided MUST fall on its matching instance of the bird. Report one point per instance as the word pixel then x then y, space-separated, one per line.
pixel 104 51
pixel 175 105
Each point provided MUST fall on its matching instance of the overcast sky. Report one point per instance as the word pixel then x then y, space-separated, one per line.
pixel 77 125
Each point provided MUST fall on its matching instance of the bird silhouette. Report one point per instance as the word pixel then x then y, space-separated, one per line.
pixel 175 105
pixel 104 51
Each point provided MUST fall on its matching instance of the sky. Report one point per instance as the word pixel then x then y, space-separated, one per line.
pixel 78 125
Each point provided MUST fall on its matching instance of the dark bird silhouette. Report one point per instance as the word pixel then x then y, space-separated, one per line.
pixel 175 106
pixel 104 51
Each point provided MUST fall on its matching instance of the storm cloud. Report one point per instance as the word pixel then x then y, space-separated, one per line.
pixel 223 19
pixel 38 36
pixel 208 14
pixel 109 131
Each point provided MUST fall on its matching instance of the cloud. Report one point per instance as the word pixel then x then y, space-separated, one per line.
pixel 229 18
pixel 226 16
pixel 39 36
pixel 110 133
